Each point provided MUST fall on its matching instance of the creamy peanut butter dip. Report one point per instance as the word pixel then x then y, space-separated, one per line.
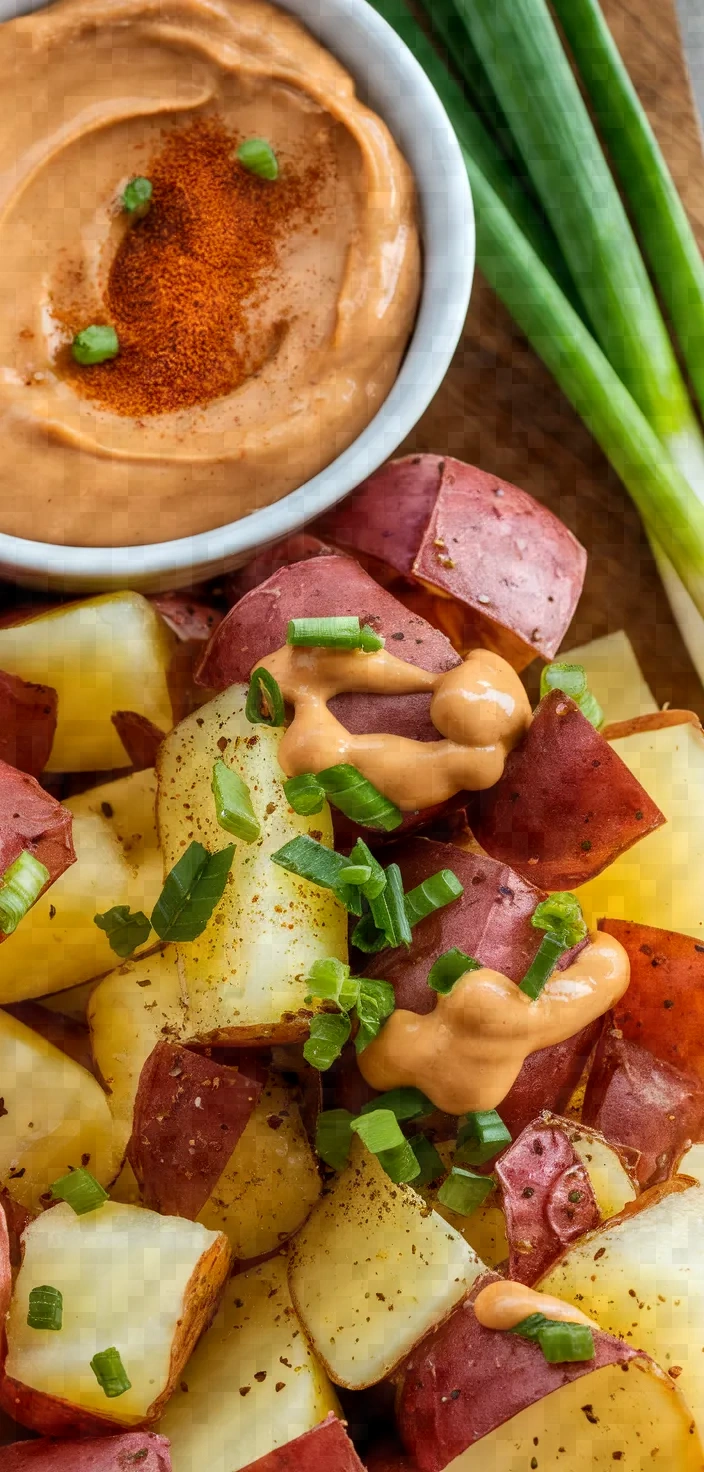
pixel 480 707
pixel 506 1304
pixel 467 1053
pixel 93 89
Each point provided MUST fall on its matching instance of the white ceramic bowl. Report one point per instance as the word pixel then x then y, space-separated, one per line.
pixel 390 80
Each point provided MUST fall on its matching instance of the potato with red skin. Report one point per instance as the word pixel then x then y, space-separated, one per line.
pixel 143 1450
pixel 327 1448
pixel 190 619
pixel 507 572
pixel 547 1198
pixel 189 1114
pixel 299 547
pixel 566 805
pixel 636 1099
pixel 32 821
pixel 28 715
pixel 548 1079
pixel 389 1458
pixel 140 738
pixel 663 1009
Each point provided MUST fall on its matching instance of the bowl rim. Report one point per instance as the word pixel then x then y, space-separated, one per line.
pixel 436 333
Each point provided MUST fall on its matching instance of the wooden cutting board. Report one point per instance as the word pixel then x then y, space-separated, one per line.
pixel 500 409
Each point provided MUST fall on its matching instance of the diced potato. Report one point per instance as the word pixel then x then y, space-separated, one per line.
pixel 54 1116
pixel 252 1384
pixel 129 1012
pixel 100 655
pixel 614 676
pixel 484 1230
pixel 271 1181
pixel 641 1277
pixel 610 1181
pixel 246 975
pixel 692 1163
pixel 118 863
pixel 372 1271
pixel 130 1279
pixel 634 1420
pixel 658 881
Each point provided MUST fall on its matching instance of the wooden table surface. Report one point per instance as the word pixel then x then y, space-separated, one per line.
pixel 500 409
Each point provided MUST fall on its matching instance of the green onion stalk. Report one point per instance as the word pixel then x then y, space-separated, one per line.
pixel 645 424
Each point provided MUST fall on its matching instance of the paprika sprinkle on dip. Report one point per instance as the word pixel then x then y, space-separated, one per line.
pixel 182 289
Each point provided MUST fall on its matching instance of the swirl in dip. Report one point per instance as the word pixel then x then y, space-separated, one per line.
pixel 261 323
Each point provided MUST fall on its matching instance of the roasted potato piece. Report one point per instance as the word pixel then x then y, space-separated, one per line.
pixel 367 1245
pixel 663 1008
pixel 100 655
pixel 326 1446
pixel 54 1116
pixel 637 1100
pixel 118 863
pixel 245 976
pixel 143 1450
pixel 252 1384
pixel 141 1283
pixel 34 823
pixel 27 723
pixel 641 1276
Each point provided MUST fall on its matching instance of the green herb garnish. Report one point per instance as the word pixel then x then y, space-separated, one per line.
pixel 258 157
pixel 571 679
pixel 110 1372
pixel 138 197
pixel 191 892
pixel 95 345
pixel 305 794
pixel 343 632
pixel 328 1034
pixel 358 799
pixel 463 1191
pixel 560 916
pixel 481 1136
pixel 380 1131
pixel 265 703
pixel 20 885
pixel 233 803
pixel 447 970
pixel 333 1137
pixel 126 930
pixel 46 1308
pixel 433 894
pixel 562 1342
pixel 80 1190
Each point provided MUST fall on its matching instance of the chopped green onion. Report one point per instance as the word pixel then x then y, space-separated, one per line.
pixel 20 885
pixel 463 1191
pixel 308 859
pixel 379 1130
pixel 405 1102
pixel 95 345
pixel 564 1343
pixel 395 903
pixel 110 1372
pixel 367 936
pixel 447 970
pixel 333 1137
pixel 46 1308
pixel 343 632
pixel 433 894
pixel 386 924
pixel 265 703
pixel 542 966
pixel 481 1136
pixel 305 794
pixel 376 882
pixel 330 980
pixel 328 1034
pixel 258 157
pixel 358 799
pixel 571 679
pixel 191 892
pixel 401 1163
pixel 138 197
pixel 80 1190
pixel 376 1002
pixel 125 929
pixel 357 874
pixel 561 1342
pixel 430 1162
pixel 233 803
pixel 561 914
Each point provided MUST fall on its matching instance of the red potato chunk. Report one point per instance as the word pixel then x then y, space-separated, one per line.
pixel 140 738
pixel 548 1079
pixel 547 1199
pixel 636 1099
pixel 28 715
pixel 507 572
pixel 139 1449
pixel 189 1114
pixel 191 620
pixel 327 1448
pixel 566 805
pixel 32 821
pixel 299 547
pixel 389 1458
pixel 663 1008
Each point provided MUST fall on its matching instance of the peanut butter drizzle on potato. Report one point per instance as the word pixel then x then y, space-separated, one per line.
pixel 480 709
pixel 467 1053
pixel 506 1304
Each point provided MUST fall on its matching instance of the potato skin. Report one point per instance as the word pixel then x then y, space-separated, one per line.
pixel 28 715
pixel 663 1009
pixel 32 820
pixel 326 1447
pixel 636 1099
pixel 537 1176
pixel 143 1449
pixel 566 805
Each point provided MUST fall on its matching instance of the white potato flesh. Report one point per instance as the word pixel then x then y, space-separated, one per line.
pixel 614 676
pixel 271 1180
pixel 253 1383
pixel 642 1278
pixel 637 1420
pixel 54 1116
pixel 373 1270
pixel 246 975
pixel 692 1163
pixel 124 1274
pixel 58 945
pixel 100 655
pixel 658 881
pixel 611 1183
pixel 129 1012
